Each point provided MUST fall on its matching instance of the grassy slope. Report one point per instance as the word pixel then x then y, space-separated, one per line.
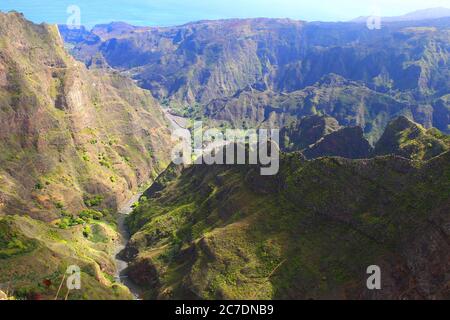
pixel 34 256
pixel 310 232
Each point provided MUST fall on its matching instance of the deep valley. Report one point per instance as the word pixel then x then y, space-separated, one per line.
pixel 87 176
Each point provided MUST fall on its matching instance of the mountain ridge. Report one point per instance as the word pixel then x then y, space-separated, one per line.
pixel 196 65
pixel 220 232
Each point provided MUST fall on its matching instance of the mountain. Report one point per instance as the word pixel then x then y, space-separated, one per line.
pixel 76 144
pixel 432 13
pixel 67 131
pixel 224 67
pixel 410 140
pixel 441 109
pixel 321 136
pixel 346 143
pixel 349 102
pixel 307 131
pixel 198 62
pixel 225 232
pixel 116 30
pixel 310 232
pixel 425 14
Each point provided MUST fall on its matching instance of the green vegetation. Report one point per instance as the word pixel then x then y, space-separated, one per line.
pixel 70 221
pixel 90 214
pixel 410 140
pixel 12 243
pixel 309 233
pixel 87 232
pixel 104 161
pixel 34 257
pixel 93 201
pixel 39 186
pixel 59 205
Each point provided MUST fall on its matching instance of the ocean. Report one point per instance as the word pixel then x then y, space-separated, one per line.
pixel 92 12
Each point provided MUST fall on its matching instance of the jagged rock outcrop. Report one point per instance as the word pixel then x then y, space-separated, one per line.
pixel 321 136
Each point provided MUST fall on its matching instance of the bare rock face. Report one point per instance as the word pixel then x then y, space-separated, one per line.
pixel 69 134
pixel 322 136
pixel 3 77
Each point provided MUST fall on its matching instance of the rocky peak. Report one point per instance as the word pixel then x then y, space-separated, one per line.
pixel 307 131
pixel 347 143
pixel 408 139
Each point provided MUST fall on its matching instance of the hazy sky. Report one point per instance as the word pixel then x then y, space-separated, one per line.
pixel 174 12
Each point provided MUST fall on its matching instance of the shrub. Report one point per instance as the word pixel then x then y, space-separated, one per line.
pixel 127 159
pixel 135 205
pixel 93 201
pixel 59 205
pixel 85 215
pixel 64 223
pixel 97 215
pixel 65 213
pixel 87 231
pixel 89 214
pixel 68 222
pixel 104 161
pixel 78 221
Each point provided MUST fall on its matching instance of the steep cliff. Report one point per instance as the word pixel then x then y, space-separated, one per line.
pixel 76 144
pixel 68 134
